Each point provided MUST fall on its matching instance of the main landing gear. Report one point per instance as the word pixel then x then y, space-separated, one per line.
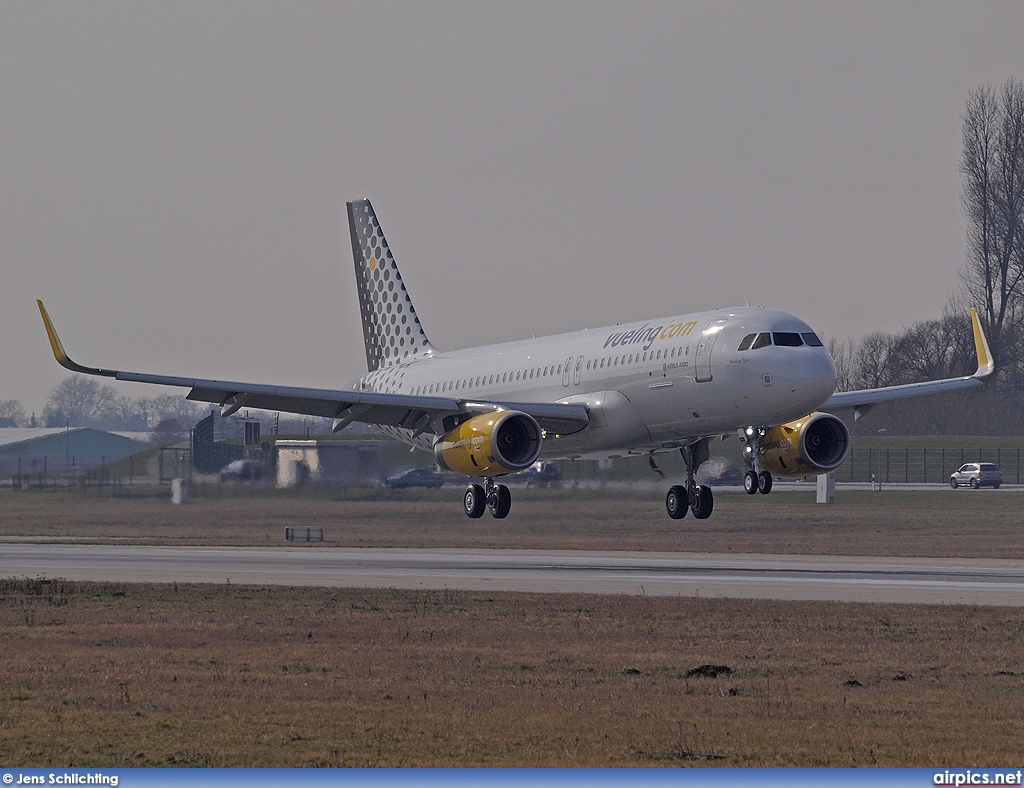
pixel 494 497
pixel 698 498
pixel 694 497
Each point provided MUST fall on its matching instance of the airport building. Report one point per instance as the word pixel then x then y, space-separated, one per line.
pixel 355 462
pixel 62 452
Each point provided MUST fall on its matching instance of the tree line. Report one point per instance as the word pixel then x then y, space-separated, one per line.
pixel 82 401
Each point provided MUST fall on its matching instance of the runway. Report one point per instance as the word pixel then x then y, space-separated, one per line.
pixel 840 578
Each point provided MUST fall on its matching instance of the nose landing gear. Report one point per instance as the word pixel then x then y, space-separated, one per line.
pixel 755 480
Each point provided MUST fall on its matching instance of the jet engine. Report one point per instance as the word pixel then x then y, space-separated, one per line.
pixel 815 444
pixel 491 444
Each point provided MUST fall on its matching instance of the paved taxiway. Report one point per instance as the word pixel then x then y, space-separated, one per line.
pixel 930 580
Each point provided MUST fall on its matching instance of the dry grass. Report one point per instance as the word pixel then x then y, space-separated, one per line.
pixel 125 675
pixel 106 675
pixel 937 523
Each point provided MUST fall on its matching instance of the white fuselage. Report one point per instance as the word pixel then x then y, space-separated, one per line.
pixel 650 386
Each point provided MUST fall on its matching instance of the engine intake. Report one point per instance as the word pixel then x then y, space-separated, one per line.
pixel 491 444
pixel 817 443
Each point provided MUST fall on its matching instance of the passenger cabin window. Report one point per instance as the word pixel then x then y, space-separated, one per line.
pixel 810 338
pixel 748 340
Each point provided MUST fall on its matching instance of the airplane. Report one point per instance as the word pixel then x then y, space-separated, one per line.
pixel 640 389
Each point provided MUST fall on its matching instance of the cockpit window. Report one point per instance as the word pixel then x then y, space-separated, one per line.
pixel 810 338
pixel 787 339
pixel 747 342
pixel 763 340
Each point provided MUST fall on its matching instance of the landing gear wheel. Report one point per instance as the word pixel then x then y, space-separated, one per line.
pixel 750 484
pixel 764 482
pixel 474 501
pixel 952 483
pixel 702 501
pixel 500 503
pixel 677 502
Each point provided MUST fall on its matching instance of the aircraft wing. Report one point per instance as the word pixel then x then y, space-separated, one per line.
pixel 861 401
pixel 417 413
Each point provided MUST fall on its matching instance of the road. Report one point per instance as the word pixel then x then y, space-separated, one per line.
pixel 842 578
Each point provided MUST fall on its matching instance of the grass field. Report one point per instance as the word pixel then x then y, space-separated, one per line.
pixel 111 675
pixel 146 675
pixel 983 523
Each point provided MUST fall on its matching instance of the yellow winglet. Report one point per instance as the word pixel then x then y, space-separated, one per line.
pixel 58 350
pixel 986 365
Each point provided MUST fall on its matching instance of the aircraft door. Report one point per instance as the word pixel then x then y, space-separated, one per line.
pixel 702 358
pixel 577 371
pixel 567 372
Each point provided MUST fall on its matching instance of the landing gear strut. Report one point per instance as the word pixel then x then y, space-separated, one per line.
pixel 496 498
pixel 698 498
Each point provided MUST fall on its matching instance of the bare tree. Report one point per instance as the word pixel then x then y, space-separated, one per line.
pixel 874 362
pixel 12 409
pixel 168 431
pixel 935 349
pixel 171 406
pixel 993 203
pixel 124 413
pixel 77 400
pixel 843 355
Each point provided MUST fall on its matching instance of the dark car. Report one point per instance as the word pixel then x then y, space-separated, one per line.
pixel 540 473
pixel 977 474
pixel 242 471
pixel 417 477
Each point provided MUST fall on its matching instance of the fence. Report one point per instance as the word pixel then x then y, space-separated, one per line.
pixel 27 473
pixel 918 465
pixel 906 465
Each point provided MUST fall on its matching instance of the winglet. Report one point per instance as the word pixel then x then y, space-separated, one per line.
pixel 986 366
pixel 58 350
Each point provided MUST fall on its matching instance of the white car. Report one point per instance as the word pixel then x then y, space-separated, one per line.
pixel 977 474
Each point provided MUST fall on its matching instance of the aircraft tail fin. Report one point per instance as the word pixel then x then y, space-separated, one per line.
pixel 391 329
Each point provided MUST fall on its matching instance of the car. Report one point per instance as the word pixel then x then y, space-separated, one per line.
pixel 977 474
pixel 417 477
pixel 540 473
pixel 242 471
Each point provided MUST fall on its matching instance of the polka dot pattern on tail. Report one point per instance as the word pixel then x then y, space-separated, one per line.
pixel 384 303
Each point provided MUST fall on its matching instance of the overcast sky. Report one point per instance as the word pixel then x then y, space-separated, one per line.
pixel 174 174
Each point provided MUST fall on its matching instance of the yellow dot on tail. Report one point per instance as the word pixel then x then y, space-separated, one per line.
pixel 373 263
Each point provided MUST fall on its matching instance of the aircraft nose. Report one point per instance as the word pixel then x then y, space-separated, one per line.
pixel 812 376
pixel 823 374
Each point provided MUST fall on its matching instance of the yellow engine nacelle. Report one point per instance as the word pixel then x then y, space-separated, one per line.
pixel 491 444
pixel 817 443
